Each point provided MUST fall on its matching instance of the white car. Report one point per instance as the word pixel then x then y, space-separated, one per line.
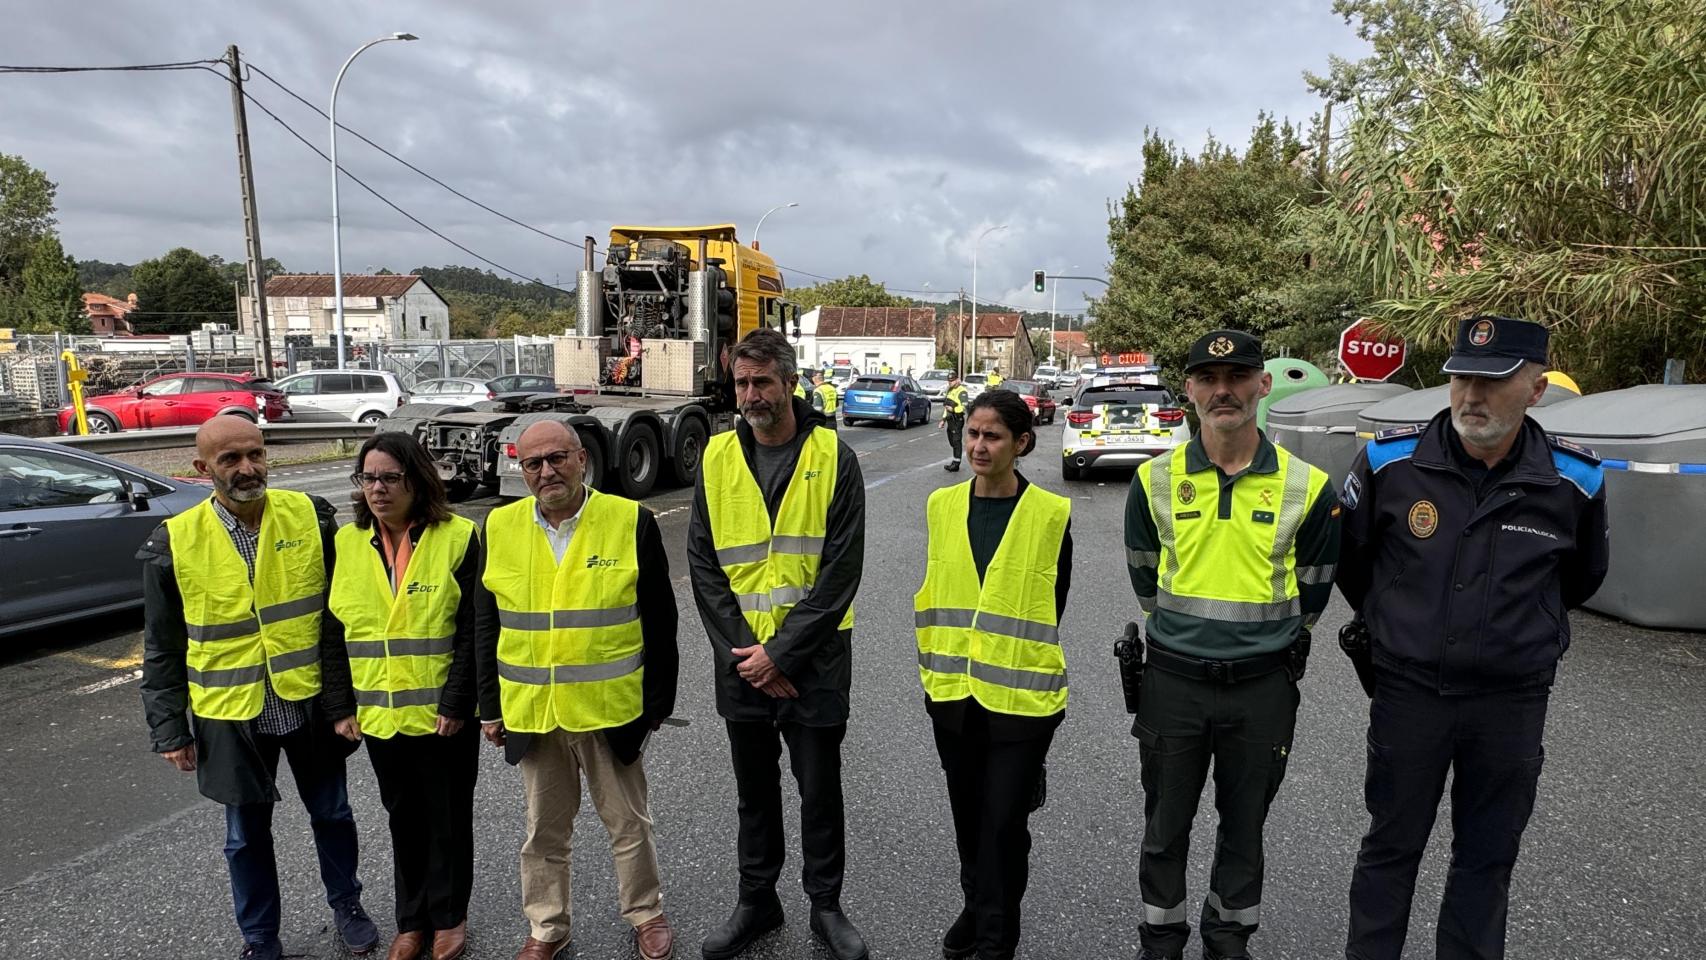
pixel 1047 375
pixel 1119 424
pixel 934 383
pixel 455 390
pixel 365 396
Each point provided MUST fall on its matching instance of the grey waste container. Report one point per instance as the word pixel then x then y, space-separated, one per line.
pixel 1320 425
pixel 1419 406
pixel 1652 441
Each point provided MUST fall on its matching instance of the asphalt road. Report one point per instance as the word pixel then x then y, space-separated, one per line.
pixel 106 851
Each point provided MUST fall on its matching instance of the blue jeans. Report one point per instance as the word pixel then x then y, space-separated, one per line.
pixel 248 837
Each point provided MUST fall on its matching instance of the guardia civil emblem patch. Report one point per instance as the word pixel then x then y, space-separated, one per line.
pixel 1187 493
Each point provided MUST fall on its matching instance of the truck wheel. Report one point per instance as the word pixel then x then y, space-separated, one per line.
pixel 690 437
pixel 594 446
pixel 637 461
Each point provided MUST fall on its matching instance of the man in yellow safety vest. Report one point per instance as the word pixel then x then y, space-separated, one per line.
pixel 234 592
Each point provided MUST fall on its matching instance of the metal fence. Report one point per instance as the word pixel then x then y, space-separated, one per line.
pixel 415 361
pixel 31 370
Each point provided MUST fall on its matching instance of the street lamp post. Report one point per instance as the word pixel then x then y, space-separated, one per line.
pixel 974 251
pixel 782 206
pixel 1054 301
pixel 337 240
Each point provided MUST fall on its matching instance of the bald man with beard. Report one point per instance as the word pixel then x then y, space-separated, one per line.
pixel 235 593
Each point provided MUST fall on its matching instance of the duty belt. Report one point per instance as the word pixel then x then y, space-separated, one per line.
pixel 1217 671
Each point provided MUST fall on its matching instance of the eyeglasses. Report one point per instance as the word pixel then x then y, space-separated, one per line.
pixel 556 459
pixel 370 479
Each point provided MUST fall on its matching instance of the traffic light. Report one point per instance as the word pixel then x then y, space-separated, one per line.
pixel 1039 281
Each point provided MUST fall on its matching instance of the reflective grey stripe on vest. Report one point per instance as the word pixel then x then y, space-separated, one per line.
pixel 1017 628
pixel 1161 916
pixel 807 546
pixel 1249 916
pixel 1232 611
pixel 234 677
pixel 941 662
pixel 1161 511
pixel 291 609
pixel 1316 575
pixel 412 647
pixel 203 633
pixel 572 672
pixel 753 602
pixel 1294 503
pixel 750 553
pixel 1017 679
pixel 1146 602
pixel 1143 558
pixel 780 596
pixel 419 697
pixel 294 659
pixel 372 698
pixel 943 617
pixel 565 619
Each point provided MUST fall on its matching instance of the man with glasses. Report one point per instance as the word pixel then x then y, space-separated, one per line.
pixel 241 655
pixel 575 645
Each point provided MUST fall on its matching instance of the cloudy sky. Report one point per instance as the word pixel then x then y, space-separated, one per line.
pixel 903 128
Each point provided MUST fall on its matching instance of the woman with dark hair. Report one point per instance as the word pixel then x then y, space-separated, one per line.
pixel 989 655
pixel 398 663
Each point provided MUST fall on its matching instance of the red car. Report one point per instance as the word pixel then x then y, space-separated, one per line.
pixel 1036 397
pixel 180 400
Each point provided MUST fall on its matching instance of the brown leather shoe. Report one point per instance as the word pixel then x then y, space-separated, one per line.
pixel 540 950
pixel 655 939
pixel 450 944
pixel 408 945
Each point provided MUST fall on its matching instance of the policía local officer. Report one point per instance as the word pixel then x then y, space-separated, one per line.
pixel 1231 543
pixel 989 655
pixel 954 417
pixel 1466 543
pixel 776 549
pixel 577 659
pixel 399 672
pixel 824 399
pixel 234 590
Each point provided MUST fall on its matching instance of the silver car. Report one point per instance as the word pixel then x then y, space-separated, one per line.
pixel 70 525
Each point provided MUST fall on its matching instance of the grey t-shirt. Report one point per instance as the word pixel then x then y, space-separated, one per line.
pixel 773 467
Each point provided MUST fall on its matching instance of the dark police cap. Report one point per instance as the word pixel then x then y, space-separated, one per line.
pixel 1496 347
pixel 1225 346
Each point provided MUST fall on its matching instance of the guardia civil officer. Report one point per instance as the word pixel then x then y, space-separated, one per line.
pixel 1231 543
pixel 989 655
pixel 954 417
pixel 234 590
pixel 1466 543
pixel 776 549
pixel 825 400
pixel 398 670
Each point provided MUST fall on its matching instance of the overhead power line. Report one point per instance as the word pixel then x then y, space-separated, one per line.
pixel 130 68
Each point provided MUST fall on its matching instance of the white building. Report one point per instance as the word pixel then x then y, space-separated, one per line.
pixel 868 337
pixel 383 307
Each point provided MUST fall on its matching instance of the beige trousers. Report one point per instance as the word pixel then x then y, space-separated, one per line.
pixel 551 778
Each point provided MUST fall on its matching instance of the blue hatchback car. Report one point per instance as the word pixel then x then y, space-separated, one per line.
pixel 885 398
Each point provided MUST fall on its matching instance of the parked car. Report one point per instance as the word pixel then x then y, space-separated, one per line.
pixel 1047 375
pixel 365 396
pixel 934 383
pixel 180 400
pixel 841 375
pixel 70 525
pixel 1035 396
pixel 1119 424
pixel 885 398
pixel 522 383
pixel 452 390
pixel 975 383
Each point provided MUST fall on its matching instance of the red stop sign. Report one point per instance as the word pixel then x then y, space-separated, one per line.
pixel 1367 355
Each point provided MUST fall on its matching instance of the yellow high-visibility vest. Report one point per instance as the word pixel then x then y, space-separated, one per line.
pixel 954 399
pixel 770 568
pixel 997 642
pixel 571 655
pixel 240 633
pixel 827 392
pixel 400 644
pixel 799 390
pixel 1243 568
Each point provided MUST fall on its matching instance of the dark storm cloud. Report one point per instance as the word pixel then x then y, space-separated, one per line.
pixel 901 128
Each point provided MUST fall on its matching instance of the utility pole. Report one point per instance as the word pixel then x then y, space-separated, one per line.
pixel 960 358
pixel 251 217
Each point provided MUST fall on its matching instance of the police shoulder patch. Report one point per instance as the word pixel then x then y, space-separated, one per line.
pixel 1382 454
pixel 1573 447
pixel 1577 464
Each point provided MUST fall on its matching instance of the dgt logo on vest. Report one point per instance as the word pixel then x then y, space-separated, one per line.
pixel 596 561
pixel 415 586
pixel 286 545
pixel 812 474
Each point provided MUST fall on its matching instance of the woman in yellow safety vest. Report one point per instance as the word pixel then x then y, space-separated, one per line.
pixel 989 656
pixel 399 671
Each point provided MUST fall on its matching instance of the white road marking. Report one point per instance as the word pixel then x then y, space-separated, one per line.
pixel 108 683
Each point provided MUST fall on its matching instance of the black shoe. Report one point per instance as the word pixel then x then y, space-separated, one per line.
pixel 953 467
pixel 271 950
pixel 749 922
pixel 960 942
pixel 838 933
pixel 355 928
pixel 1148 954
pixel 1208 954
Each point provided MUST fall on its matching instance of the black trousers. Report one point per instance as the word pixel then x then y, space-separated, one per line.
pixel 991 783
pixel 954 425
pixel 427 786
pixel 1245 729
pixel 1492 745
pixel 815 755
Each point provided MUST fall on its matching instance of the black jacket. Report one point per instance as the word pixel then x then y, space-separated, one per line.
pixel 809 649
pixel 229 768
pixel 457 700
pixel 1469 594
pixel 658 620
